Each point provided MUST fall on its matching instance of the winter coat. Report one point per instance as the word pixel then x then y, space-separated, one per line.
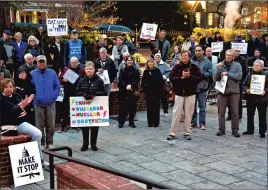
pixel 252 59
pixel 97 47
pixel 243 64
pixel 204 44
pixel 165 50
pixel 164 68
pixel 19 51
pixel 252 45
pixel 35 51
pixel 58 56
pixel 129 76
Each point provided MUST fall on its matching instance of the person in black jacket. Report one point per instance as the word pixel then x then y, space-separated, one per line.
pixel 264 46
pixel 105 63
pixel 13 113
pixel 206 41
pixel 128 84
pixel 69 90
pixel 256 101
pixel 25 88
pixel 152 85
pixel 89 86
pixel 56 51
pixel 33 47
pixel 257 55
pixel 253 43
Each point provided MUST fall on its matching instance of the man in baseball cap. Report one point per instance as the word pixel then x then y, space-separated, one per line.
pixel 6 37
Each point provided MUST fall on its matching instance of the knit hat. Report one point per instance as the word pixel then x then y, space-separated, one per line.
pixel 22 69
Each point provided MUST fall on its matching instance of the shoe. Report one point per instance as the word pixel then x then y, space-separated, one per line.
pixel 228 118
pixel 120 126
pixel 248 133
pixel 135 118
pixel 171 137
pixel 212 103
pixel 220 133
pixel 166 114
pixel 94 147
pixel 156 125
pixel 50 146
pixel 84 148
pixel 193 126
pixel 45 164
pixel 186 134
pixel 262 135
pixel 133 126
pixel 235 134
pixel 150 125
pixel 202 127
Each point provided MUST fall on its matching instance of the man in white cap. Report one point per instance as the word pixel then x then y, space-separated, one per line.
pixel 47 88
pixel 102 43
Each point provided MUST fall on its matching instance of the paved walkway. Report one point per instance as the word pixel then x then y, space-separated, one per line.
pixel 205 162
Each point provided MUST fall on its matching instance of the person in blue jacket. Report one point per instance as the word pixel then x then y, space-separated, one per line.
pixel 47 88
pixel 19 50
pixel 131 48
pixel 75 48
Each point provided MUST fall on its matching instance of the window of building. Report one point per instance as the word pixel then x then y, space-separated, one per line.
pixel 221 21
pixel 198 17
pixel 210 19
pixel 257 15
pixel 244 11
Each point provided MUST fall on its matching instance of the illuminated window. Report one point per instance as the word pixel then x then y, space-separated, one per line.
pixel 221 20
pixel 198 17
pixel 210 19
pixel 244 11
pixel 257 15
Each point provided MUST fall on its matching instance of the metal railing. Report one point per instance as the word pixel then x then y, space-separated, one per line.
pixel 51 153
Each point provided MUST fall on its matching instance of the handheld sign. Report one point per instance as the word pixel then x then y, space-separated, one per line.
pixel 57 27
pixel 221 85
pixel 71 76
pixel 257 84
pixel 89 113
pixel 148 31
pixel 217 47
pixel 61 95
pixel 104 76
pixel 26 163
pixel 243 47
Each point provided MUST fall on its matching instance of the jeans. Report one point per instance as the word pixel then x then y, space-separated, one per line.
pixel 202 100
pixel 35 133
pixel 108 88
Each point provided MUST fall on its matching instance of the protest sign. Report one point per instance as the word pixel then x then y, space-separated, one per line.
pixel 89 113
pixel 148 31
pixel 57 27
pixel 71 76
pixel 104 76
pixel 217 47
pixel 221 85
pixel 243 47
pixel 26 163
pixel 257 84
pixel 61 95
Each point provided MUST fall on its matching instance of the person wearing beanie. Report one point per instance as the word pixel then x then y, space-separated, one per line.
pixel 164 69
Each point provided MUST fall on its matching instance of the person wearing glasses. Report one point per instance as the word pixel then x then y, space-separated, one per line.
pixel 205 67
pixel 233 71
pixel 242 61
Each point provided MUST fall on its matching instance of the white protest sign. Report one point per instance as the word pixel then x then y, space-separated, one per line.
pixel 148 31
pixel 57 27
pixel 89 113
pixel 217 46
pixel 104 76
pixel 61 95
pixel 26 163
pixel 243 47
pixel 257 84
pixel 221 85
pixel 71 76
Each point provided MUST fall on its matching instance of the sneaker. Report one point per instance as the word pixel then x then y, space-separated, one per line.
pixel 248 133
pixel 45 164
pixel 193 126
pixel 228 118
pixel 171 137
pixel 262 136
pixel 202 127
pixel 235 134
pixel 166 114
pixel 220 133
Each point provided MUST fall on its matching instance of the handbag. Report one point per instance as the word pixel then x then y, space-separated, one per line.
pixel 9 130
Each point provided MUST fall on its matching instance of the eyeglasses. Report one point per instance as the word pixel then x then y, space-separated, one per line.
pixel 237 51
pixel 73 62
pixel 198 50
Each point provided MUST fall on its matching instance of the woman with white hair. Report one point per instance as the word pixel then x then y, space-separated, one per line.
pixel 33 47
pixel 254 100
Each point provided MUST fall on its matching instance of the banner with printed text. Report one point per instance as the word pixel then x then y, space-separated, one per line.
pixel 148 31
pixel 257 84
pixel 26 163
pixel 89 113
pixel 243 47
pixel 57 27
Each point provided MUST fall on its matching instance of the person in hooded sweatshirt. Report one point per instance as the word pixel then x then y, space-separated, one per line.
pixel 25 88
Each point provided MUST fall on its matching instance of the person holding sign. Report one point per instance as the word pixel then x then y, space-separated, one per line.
pixel 13 113
pixel 89 87
pixel 256 88
pixel 230 97
pixel 69 88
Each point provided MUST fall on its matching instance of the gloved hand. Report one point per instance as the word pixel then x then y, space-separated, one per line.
pixel 88 96
pixel 164 77
pixel 129 87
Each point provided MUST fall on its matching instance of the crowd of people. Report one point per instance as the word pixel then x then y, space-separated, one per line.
pixel 30 90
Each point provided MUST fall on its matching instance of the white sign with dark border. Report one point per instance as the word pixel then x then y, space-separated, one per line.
pixel 257 84
pixel 26 163
pixel 217 47
pixel 57 27
pixel 243 47
pixel 221 85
